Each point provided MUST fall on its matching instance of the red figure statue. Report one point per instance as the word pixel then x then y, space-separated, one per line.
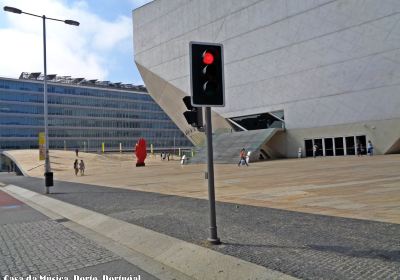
pixel 140 151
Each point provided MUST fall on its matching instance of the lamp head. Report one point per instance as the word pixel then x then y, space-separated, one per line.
pixel 71 22
pixel 12 10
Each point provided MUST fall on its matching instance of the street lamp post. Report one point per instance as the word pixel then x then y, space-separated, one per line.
pixel 48 174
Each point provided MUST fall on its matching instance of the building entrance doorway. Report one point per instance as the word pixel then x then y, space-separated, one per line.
pixel 350 146
pixel 309 147
pixel 363 143
pixel 339 147
pixel 328 147
pixel 336 146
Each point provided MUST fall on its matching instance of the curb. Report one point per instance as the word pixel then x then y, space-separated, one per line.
pixel 195 261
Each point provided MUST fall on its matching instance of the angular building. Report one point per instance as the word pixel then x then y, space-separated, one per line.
pixel 82 114
pixel 326 72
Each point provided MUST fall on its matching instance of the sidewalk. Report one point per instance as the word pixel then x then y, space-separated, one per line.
pixel 302 245
pixel 33 244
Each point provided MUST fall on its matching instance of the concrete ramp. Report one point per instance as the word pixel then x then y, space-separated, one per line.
pixel 227 146
pixel 8 163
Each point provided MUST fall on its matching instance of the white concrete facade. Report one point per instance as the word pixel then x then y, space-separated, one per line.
pixel 333 66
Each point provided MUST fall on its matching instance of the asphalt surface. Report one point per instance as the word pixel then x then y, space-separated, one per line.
pixel 32 244
pixel 303 245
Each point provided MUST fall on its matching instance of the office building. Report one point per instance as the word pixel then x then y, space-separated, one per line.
pixel 83 114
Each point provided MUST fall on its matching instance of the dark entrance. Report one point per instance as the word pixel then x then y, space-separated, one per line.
pixel 328 146
pixel 339 148
pixel 363 141
pixel 318 142
pixel 308 145
pixel 350 149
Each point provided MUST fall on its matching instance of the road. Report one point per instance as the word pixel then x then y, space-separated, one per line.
pixel 306 246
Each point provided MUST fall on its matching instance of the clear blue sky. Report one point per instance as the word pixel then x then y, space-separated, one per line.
pixel 100 48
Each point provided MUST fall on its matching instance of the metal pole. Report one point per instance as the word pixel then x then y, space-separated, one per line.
pixel 213 239
pixel 46 132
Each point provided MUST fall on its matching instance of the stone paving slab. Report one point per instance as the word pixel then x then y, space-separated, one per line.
pixel 303 245
pixel 46 247
pixel 31 244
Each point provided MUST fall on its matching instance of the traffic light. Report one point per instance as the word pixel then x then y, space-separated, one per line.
pixel 207 74
pixel 194 116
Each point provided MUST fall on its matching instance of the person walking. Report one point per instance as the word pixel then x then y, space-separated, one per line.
pixel 76 168
pixel 370 148
pixel 82 167
pixel 242 157
pixel 359 149
pixel 248 157
pixel 299 152
pixel 315 151
pixel 76 152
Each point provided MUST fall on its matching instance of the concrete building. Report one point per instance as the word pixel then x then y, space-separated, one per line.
pixel 328 71
pixel 83 114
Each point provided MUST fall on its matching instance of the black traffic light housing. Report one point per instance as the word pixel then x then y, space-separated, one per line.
pixel 194 116
pixel 207 74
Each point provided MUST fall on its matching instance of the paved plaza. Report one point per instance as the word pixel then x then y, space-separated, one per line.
pixel 354 187
pixel 268 214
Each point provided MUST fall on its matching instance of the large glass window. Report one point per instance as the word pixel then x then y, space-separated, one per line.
pixel 350 148
pixel 79 114
pixel 328 146
pixel 260 121
pixel 339 148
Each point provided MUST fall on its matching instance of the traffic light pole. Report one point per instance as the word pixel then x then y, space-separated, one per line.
pixel 213 239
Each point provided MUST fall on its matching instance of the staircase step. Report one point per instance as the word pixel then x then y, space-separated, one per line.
pixel 227 146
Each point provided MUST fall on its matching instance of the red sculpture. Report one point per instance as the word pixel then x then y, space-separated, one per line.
pixel 140 151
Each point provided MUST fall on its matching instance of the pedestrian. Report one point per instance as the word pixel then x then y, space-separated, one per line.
pixel 82 167
pixel 77 152
pixel 183 160
pixel 370 148
pixel 76 168
pixel 168 156
pixel 164 155
pixel 359 149
pixel 299 152
pixel 242 157
pixel 248 157
pixel 315 151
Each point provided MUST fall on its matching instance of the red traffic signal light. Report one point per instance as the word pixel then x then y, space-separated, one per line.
pixel 207 74
pixel 208 58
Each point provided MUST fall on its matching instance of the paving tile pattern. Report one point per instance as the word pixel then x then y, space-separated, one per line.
pixel 46 248
pixel 304 245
